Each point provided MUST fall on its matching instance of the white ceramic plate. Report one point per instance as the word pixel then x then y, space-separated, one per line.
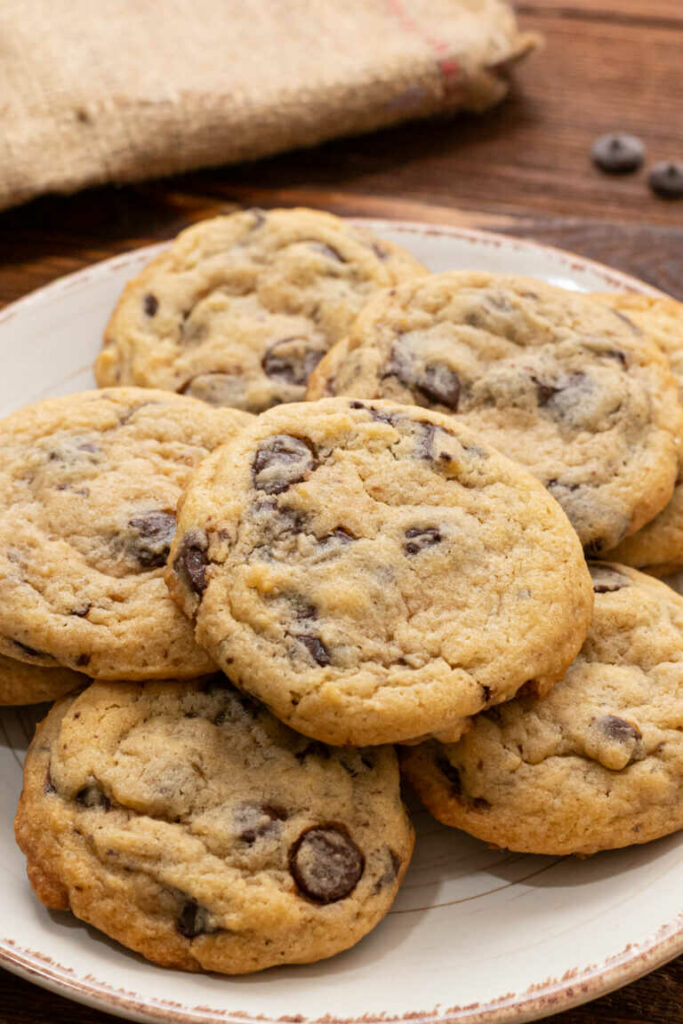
pixel 475 935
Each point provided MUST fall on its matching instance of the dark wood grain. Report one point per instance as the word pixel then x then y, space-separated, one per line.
pixel 524 170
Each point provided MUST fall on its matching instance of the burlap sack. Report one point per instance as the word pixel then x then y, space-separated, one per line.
pixel 128 89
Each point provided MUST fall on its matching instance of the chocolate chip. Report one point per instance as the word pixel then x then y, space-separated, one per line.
pixel 155 531
pixel 666 179
pixel 191 561
pixel 48 785
pixel 280 461
pixel 561 484
pixel 192 919
pixel 618 153
pixel 82 610
pixel 544 390
pixel 151 304
pixel 391 871
pixel 92 796
pixel 316 648
pixel 82 660
pixel 451 773
pixel 437 382
pixel 595 547
pixel 479 803
pixel 291 360
pixel 326 864
pixel 607 580
pixel 420 538
pixel 254 821
pixel 486 693
pixel 618 729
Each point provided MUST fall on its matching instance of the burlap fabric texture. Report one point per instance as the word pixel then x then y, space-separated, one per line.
pixel 130 89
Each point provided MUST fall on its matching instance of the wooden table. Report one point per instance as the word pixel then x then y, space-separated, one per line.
pixel 523 169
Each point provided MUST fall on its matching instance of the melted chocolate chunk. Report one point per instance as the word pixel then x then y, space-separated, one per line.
pixel 436 382
pixel 451 773
pixel 154 533
pixel 544 391
pixel 391 871
pixel 254 821
pixel 92 796
pixel 192 919
pixel 191 561
pixel 607 580
pixel 291 360
pixel 280 461
pixel 151 304
pixel 316 648
pixel 419 538
pixel 618 729
pixel 326 864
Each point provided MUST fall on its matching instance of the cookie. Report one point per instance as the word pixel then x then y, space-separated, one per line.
pixel 28 684
pixel 187 823
pixel 239 309
pixel 596 765
pixel 374 573
pixel 552 378
pixel 658 546
pixel 88 490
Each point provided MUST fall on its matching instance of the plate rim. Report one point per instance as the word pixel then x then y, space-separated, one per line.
pixel 552 996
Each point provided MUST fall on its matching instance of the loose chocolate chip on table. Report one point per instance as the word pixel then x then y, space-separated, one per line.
pixel 155 531
pixel 326 864
pixel 151 304
pixel 316 648
pixel 191 561
pixel 292 360
pixel 666 179
pixel 282 460
pixel 419 537
pixel 92 796
pixel 618 729
pixel 192 920
pixel 618 153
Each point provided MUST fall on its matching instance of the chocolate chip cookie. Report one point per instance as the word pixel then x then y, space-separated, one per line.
pixel 374 573
pixel 554 379
pixel 596 765
pixel 186 822
pixel 88 491
pixel 239 309
pixel 657 546
pixel 29 684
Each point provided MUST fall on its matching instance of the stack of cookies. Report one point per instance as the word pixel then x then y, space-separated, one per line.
pixel 325 503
